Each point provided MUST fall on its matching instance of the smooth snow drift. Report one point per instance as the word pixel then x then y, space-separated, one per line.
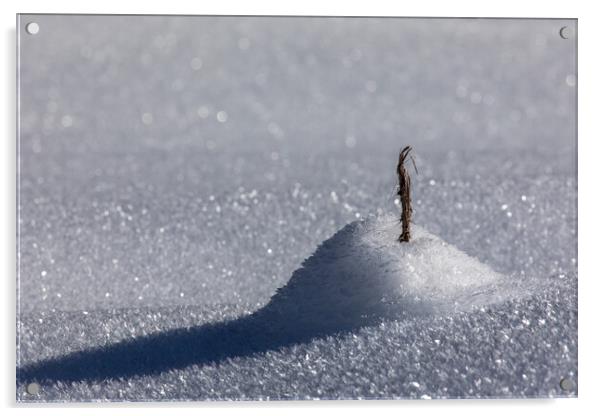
pixel 363 273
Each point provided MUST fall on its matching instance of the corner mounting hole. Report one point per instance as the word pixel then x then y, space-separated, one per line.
pixel 32 28
pixel 33 388
pixel 567 384
pixel 566 32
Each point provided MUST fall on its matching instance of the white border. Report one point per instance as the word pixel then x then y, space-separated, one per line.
pixel 589 189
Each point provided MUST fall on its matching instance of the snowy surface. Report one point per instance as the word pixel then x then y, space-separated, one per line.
pixel 175 172
pixel 363 274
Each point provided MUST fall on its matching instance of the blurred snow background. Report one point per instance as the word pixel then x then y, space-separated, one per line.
pixel 177 170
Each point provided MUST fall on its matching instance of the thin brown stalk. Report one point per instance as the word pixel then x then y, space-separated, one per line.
pixel 404 194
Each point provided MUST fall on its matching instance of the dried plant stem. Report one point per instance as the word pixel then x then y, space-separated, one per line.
pixel 404 194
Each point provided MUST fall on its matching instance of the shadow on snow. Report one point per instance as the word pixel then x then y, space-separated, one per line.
pixel 300 311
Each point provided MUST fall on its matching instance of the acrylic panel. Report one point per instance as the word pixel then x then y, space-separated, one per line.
pixel 210 208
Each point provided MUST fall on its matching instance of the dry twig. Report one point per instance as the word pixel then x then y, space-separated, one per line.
pixel 404 193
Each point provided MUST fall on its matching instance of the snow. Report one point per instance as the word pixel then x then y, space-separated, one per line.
pixel 361 289
pixel 162 203
pixel 363 274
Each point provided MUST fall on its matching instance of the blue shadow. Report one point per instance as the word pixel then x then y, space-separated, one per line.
pixel 300 311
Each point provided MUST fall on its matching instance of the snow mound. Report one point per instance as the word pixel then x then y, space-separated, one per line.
pixel 363 273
